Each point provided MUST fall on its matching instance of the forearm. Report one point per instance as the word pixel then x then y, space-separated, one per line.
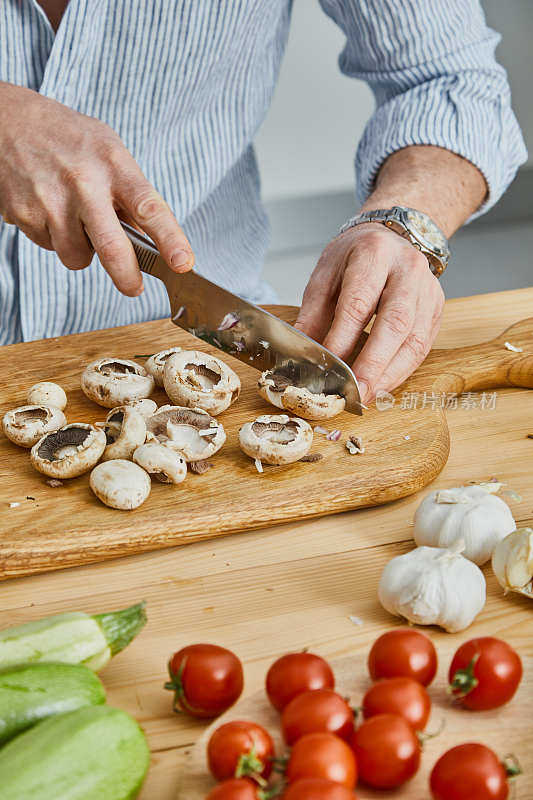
pixel 443 185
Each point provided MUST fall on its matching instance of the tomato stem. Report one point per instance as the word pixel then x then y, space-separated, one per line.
pixel 175 684
pixel 250 766
pixel 464 680
pixel 280 764
pixel 423 737
pixel 512 766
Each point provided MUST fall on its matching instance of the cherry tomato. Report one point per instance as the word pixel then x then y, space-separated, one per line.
pixel 322 755
pixel 238 749
pixel 469 771
pixel 403 653
pixel 317 789
pixel 236 789
pixel 387 751
pixel 296 673
pixel 206 680
pixel 485 673
pixel 320 711
pixel 402 696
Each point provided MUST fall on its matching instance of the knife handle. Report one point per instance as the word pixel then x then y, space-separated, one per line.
pixel 148 255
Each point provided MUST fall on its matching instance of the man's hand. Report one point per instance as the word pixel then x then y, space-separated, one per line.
pixel 63 179
pixel 366 270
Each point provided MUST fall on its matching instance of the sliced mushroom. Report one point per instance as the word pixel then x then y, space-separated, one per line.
pixel 125 430
pixel 145 406
pixel 156 363
pixel 27 424
pixel 279 391
pixel 68 452
pixel 161 462
pixel 276 439
pixel 198 380
pixel 190 431
pixel 112 382
pixel 47 393
pixel 120 484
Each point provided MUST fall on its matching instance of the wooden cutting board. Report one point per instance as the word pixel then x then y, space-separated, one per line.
pixel 405 448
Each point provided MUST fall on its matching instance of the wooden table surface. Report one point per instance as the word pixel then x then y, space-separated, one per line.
pixel 296 585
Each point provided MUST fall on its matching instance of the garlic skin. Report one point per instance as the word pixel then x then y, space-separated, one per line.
pixel 432 586
pixel 512 562
pixel 470 514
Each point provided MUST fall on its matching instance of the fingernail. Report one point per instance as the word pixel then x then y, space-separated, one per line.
pixel 181 258
pixel 363 389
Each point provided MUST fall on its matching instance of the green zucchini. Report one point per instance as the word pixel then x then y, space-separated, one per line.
pixel 94 753
pixel 72 638
pixel 32 692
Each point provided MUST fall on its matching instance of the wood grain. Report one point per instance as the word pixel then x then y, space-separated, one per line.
pixel 68 526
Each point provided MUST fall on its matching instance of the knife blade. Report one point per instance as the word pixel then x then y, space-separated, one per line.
pixel 246 331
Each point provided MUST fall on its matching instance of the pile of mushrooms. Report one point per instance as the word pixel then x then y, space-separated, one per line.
pixel 280 392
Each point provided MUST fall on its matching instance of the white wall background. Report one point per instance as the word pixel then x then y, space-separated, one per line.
pixel 308 141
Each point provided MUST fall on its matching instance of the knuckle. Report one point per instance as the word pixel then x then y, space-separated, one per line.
pixel 399 319
pixel 109 247
pixel 358 307
pixel 418 346
pixel 147 205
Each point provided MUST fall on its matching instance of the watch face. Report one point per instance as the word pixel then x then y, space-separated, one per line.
pixel 426 231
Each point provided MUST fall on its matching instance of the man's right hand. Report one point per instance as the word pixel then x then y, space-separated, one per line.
pixel 64 177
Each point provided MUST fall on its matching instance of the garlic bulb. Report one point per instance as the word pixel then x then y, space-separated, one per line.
pixel 512 562
pixel 471 514
pixel 432 586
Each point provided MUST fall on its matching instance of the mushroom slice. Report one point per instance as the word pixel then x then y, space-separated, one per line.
pixel 145 406
pixel 279 391
pixel 125 430
pixel 112 382
pixel 155 365
pixel 27 424
pixel 276 439
pixel 190 431
pixel 69 451
pixel 120 484
pixel 198 380
pixel 161 462
pixel 46 393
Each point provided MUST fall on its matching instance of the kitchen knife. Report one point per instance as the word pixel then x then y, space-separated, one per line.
pixel 246 331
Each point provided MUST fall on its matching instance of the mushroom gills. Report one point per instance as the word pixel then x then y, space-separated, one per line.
pixel 202 376
pixel 21 418
pixel 62 443
pixel 276 431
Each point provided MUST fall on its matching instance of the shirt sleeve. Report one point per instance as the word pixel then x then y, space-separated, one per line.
pixel 432 68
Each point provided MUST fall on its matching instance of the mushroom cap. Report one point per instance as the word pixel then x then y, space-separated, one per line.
pixel 125 430
pixel 46 393
pixel 162 462
pixel 279 391
pixel 120 484
pixel 198 380
pixel 112 382
pixel 276 439
pixel 155 365
pixel 69 451
pixel 27 424
pixel 144 406
pixel 179 427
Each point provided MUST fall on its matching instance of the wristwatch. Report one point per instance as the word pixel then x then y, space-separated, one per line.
pixel 416 227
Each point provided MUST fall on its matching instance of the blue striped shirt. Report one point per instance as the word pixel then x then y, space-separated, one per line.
pixel 187 83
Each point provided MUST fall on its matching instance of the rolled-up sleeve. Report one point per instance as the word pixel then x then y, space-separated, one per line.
pixel 432 68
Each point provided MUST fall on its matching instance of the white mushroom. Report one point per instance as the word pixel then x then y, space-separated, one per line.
pixel 278 390
pixel 46 393
pixel 68 452
pixel 120 484
pixel 276 439
pixel 144 406
pixel 112 382
pixel 192 432
pixel 125 430
pixel 27 424
pixel 198 380
pixel 155 365
pixel 161 462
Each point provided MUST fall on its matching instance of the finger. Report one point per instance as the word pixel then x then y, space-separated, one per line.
pixel 69 240
pixel 113 247
pixel 149 211
pixel 320 297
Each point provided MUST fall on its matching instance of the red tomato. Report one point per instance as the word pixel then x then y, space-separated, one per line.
pixel 296 673
pixel 206 680
pixel 469 771
pixel 320 711
pixel 317 789
pixel 485 673
pixel 238 749
pixel 322 755
pixel 235 789
pixel 402 696
pixel 387 751
pixel 403 653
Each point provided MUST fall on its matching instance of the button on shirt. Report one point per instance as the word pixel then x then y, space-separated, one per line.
pixel 187 83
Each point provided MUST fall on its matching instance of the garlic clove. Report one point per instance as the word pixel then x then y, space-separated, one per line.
pixel 512 562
